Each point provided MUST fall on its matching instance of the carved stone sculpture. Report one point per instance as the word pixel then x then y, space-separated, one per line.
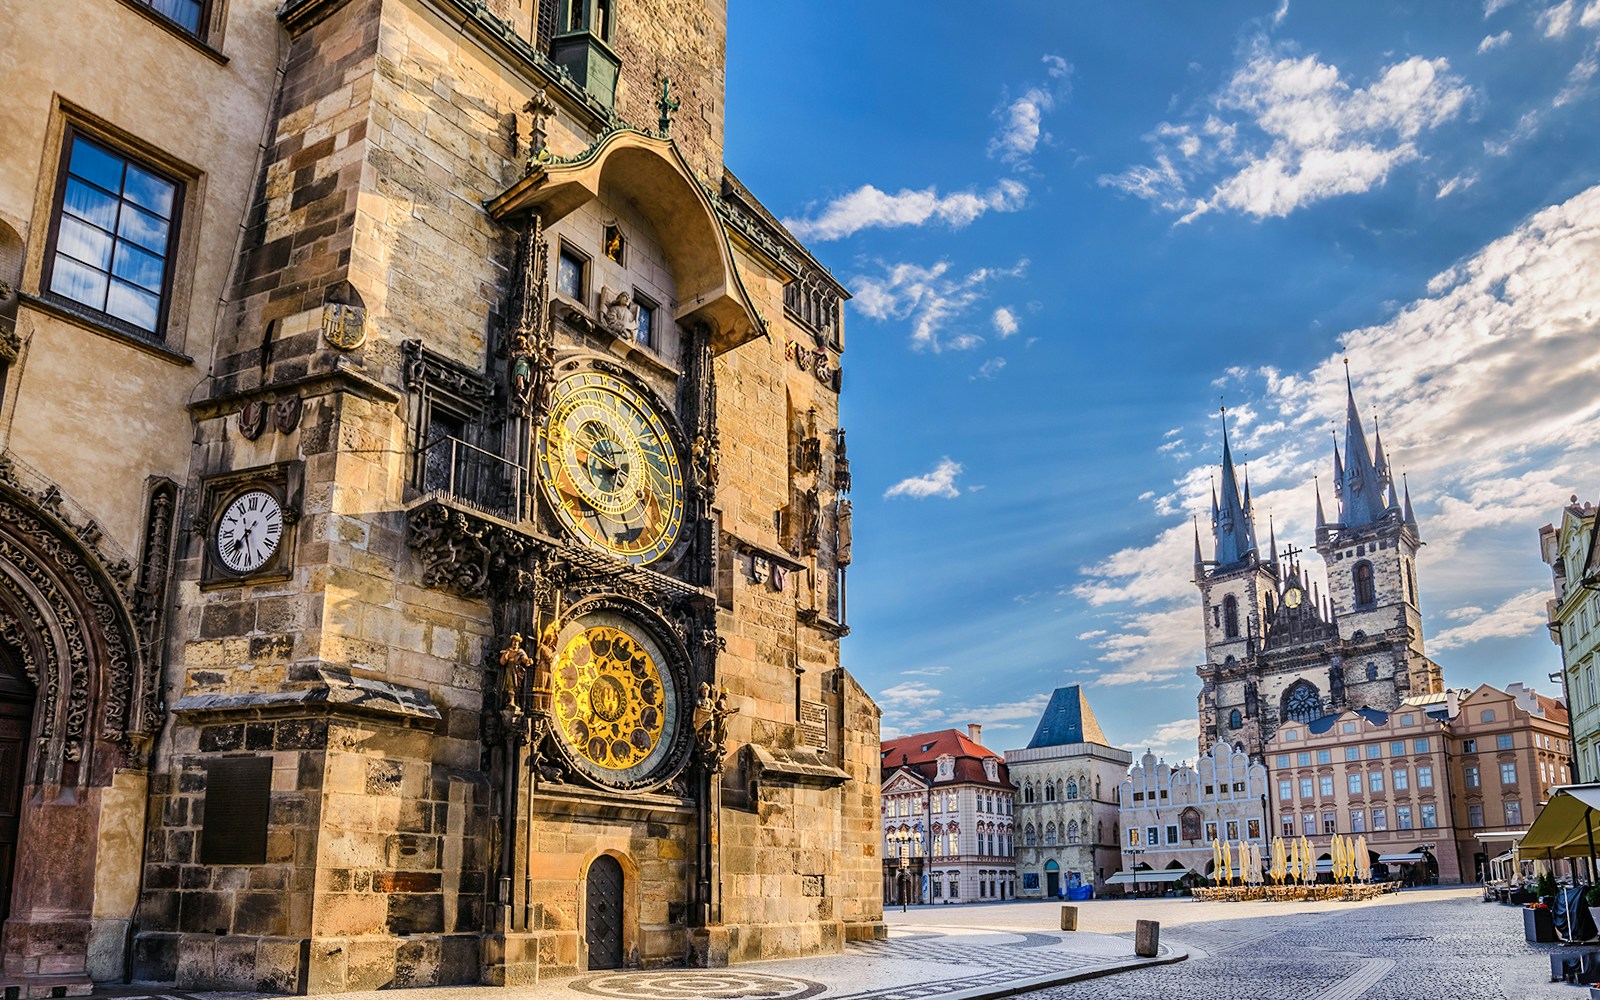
pixel 514 664
pixel 619 314
pixel 842 517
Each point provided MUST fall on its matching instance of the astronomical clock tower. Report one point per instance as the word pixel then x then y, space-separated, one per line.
pixel 515 575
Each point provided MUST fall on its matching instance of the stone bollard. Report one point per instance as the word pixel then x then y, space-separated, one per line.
pixel 1146 938
pixel 1069 918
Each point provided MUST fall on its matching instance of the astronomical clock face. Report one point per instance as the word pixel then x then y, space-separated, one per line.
pixel 614 699
pixel 609 468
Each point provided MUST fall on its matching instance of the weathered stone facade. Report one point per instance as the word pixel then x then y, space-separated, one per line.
pixel 359 779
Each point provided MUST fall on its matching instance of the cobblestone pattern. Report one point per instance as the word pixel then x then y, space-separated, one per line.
pixel 1455 949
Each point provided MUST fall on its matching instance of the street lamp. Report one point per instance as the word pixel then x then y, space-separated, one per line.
pixel 1134 853
pixel 902 841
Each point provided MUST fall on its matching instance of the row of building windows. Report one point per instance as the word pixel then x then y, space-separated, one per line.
pixel 1372 751
pixel 1423 816
pixel 1323 785
pixel 1151 836
pixel 1072 833
pixel 1051 791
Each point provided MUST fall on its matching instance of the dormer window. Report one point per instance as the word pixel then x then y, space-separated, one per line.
pixel 990 769
pixel 947 768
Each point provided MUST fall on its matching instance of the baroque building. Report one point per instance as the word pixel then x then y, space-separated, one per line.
pixel 1574 616
pixel 1173 815
pixel 453 587
pixel 948 813
pixel 1066 820
pixel 1277 649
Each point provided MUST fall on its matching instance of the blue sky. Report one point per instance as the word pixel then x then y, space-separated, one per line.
pixel 1071 230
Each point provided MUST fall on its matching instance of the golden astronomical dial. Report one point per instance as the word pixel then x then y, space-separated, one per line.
pixel 609 468
pixel 614 701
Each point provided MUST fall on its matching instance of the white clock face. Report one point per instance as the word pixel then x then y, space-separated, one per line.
pixel 249 531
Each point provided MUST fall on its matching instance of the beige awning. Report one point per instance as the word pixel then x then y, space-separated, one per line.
pixel 1560 828
pixel 1151 877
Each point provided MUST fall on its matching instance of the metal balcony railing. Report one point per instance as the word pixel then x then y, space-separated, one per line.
pixel 467 474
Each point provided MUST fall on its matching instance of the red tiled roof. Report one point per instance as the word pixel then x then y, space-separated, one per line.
pixel 1553 709
pixel 907 751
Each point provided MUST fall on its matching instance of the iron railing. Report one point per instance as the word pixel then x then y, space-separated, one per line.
pixel 465 473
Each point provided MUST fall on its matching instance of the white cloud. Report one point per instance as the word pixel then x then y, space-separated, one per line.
pixel 989 369
pixel 1554 21
pixel 1022 120
pixel 1171 741
pixel 867 207
pixel 1520 615
pixel 1492 42
pixel 1460 182
pixel 941 482
pixel 1301 134
pixel 925 672
pixel 1281 13
pixel 1493 7
pixel 1591 15
pixel 1005 321
pixel 930 296
pixel 1486 389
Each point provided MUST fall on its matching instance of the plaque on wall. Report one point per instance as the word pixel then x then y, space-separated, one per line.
pixel 814 724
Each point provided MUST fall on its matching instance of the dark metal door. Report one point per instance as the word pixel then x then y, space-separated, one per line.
pixel 1052 884
pixel 16 724
pixel 602 913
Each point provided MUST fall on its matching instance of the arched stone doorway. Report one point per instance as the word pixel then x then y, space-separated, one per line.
pixel 602 913
pixel 76 710
pixel 1052 879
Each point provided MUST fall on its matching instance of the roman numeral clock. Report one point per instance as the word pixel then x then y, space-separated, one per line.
pixel 248 518
pixel 609 459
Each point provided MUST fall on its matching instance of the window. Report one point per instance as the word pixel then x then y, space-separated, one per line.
pixel 1305 788
pixel 1329 825
pixel 1406 720
pixel 1487 715
pixel 1283 760
pixel 1374 751
pixel 938 886
pixel 647 322
pixel 1352 753
pixel 1230 617
pixel 1513 813
pixel 1254 828
pixel 1285 791
pixel 1152 836
pixel 1347 728
pixel 1288 827
pixel 1238 786
pixel 1358 821
pixel 1380 819
pixel 1133 836
pixel 1419 746
pixel 1470 775
pixel 571 272
pixel 1401 782
pixel 1235 720
pixel 1291 734
pixel 1366 593
pixel 1424 776
pixel 114 231
pixel 955 889
pixel 1325 785
pixel 1050 792
pixel 1474 814
pixel 1430 816
pixel 1353 782
pixel 1304 760
pixel 1372 671
pixel 1172 835
pixel 1211 831
pixel 1397 748
pixel 1308 824
pixel 186 14
pixel 1402 817
pixel 1503 742
pixel 1324 757
pixel 1374 781
pixel 1233 829
pixel 1469 746
pixel 1072 789
pixel 1508 773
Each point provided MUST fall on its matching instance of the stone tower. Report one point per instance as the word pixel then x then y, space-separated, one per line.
pixel 1276 647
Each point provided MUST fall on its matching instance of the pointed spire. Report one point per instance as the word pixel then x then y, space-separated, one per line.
pixel 1379 460
pixel 1199 560
pixel 1409 515
pixel 1338 466
pixel 1393 501
pixel 1361 496
pixel 1232 524
pixel 1272 534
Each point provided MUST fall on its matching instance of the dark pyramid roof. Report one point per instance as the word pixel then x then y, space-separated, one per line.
pixel 1067 719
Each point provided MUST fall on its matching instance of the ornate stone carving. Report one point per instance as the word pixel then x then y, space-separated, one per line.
pixel 286 413
pixel 467 554
pixel 10 343
pixel 841 464
pixel 344 326
pixel 253 418
pixel 810 521
pixel 711 714
pixel 514 664
pixel 150 596
pixel 540 107
pixel 667 105
pixel 619 314
pixel 843 533
pixel 423 369
pixel 529 345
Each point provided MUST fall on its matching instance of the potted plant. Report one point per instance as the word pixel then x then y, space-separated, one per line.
pixel 1538 925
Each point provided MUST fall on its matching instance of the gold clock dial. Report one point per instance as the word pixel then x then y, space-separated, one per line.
pixel 609 468
pixel 614 702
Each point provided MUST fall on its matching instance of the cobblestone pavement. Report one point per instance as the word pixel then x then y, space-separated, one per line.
pixel 1444 944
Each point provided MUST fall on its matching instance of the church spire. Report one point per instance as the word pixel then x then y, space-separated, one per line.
pixel 1409 516
pixel 1361 493
pixel 1379 460
pixel 1199 560
pixel 1272 535
pixel 1230 521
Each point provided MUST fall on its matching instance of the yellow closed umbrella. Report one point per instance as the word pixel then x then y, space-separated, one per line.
pixel 1363 859
pixel 1280 864
pixel 1339 859
pixel 1294 859
pixel 1308 860
pixel 1216 862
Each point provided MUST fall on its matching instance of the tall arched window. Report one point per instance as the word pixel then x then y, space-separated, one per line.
pixel 1412 576
pixel 1372 671
pixel 1072 832
pixel 1029 838
pixel 1050 834
pixel 1027 792
pixel 1302 703
pixel 1230 617
pixel 1234 719
pixel 1072 788
pixel 1049 792
pixel 1366 592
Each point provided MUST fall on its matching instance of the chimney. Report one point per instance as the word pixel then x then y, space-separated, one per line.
pixel 975 732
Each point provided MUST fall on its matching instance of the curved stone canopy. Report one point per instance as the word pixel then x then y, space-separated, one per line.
pixel 651 173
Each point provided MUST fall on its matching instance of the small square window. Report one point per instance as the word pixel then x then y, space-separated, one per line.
pixel 1283 760
pixel 1374 751
pixel 1397 748
pixel 1503 742
pixel 190 15
pixel 1324 756
pixel 1304 760
pixel 571 272
pixel 1352 753
pixel 1419 746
